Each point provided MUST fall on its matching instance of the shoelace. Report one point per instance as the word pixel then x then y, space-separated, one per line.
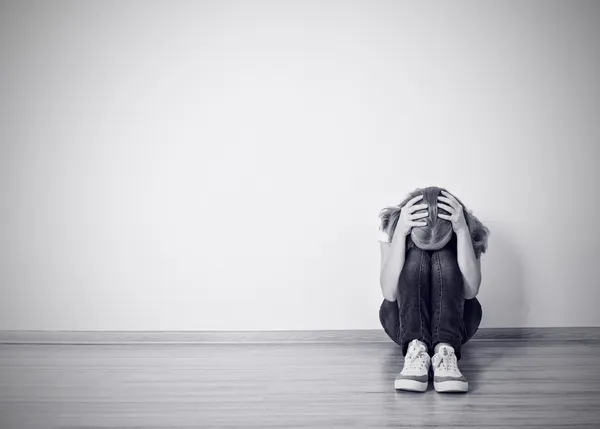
pixel 447 361
pixel 413 358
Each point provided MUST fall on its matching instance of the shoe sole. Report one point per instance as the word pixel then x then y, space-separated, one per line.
pixel 411 385
pixel 451 386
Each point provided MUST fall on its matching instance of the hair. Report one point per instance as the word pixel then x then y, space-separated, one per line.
pixel 438 231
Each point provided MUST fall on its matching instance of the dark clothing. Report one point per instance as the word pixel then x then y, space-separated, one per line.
pixel 431 304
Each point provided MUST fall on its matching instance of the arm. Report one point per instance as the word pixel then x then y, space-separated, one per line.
pixel 392 261
pixel 393 254
pixel 469 264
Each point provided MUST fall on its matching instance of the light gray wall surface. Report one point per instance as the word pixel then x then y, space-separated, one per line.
pixel 220 165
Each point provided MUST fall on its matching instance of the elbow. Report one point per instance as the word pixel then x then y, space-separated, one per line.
pixel 390 296
pixel 472 290
pixel 471 294
pixel 389 293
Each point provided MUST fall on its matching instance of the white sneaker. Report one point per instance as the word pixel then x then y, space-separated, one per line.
pixel 446 375
pixel 415 374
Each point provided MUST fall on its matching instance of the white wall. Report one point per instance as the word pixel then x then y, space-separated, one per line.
pixel 221 165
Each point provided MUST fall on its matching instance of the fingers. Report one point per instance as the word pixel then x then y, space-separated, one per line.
pixel 414 200
pixel 450 199
pixel 418 215
pixel 443 216
pixel 417 208
pixel 446 207
pixel 448 194
pixel 413 223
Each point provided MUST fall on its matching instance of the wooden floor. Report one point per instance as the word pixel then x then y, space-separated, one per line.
pixel 292 385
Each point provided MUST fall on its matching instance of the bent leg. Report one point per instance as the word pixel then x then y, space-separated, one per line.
pixel 472 317
pixel 447 300
pixel 388 316
pixel 414 299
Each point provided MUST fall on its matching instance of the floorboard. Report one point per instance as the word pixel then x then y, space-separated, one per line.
pixel 292 385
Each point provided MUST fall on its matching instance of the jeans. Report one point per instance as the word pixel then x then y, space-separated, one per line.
pixel 431 304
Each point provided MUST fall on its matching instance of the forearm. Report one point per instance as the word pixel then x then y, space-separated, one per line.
pixel 392 267
pixel 469 265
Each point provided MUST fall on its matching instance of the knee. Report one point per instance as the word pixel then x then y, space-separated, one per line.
pixel 417 264
pixel 444 254
pixel 416 258
pixel 445 265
